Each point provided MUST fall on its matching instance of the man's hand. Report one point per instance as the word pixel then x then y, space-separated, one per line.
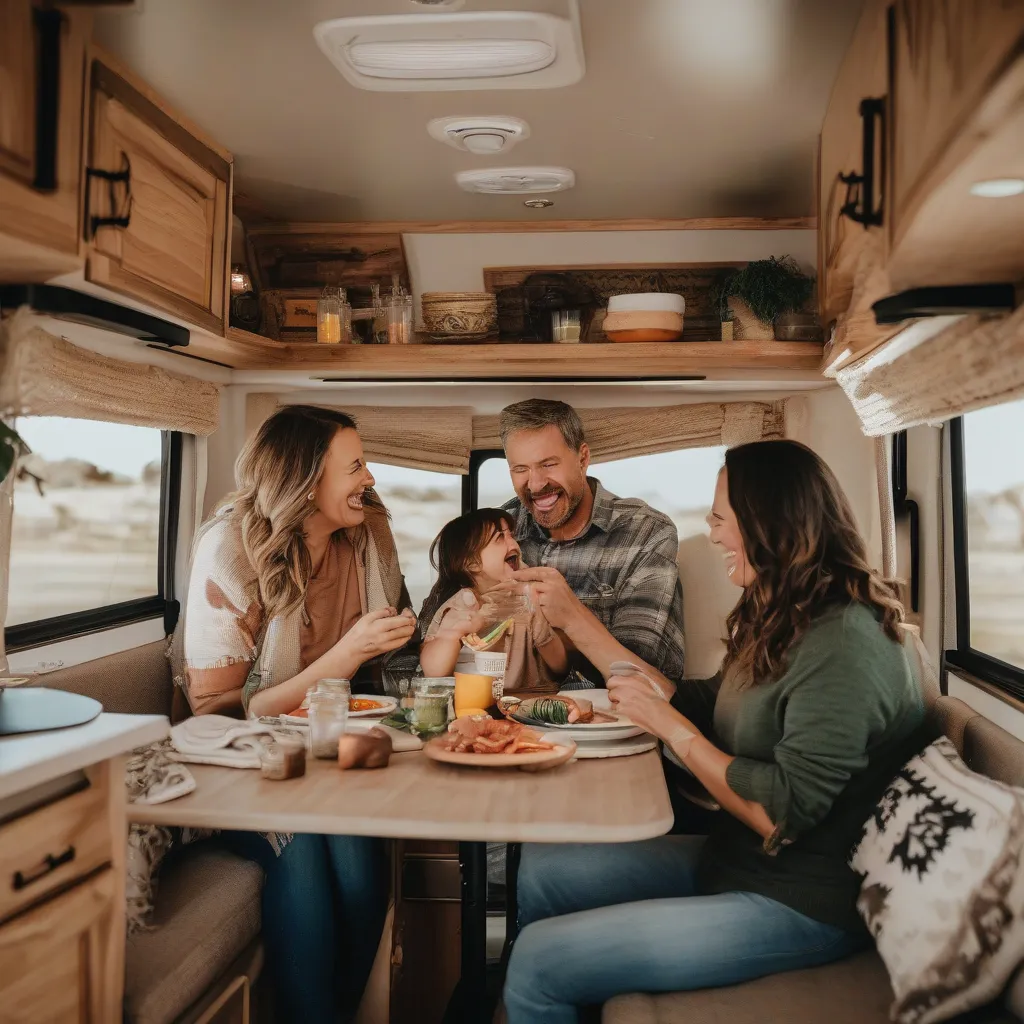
pixel 553 596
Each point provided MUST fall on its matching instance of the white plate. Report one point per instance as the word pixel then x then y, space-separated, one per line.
pixel 387 705
pixel 564 749
pixel 599 732
pixel 617 748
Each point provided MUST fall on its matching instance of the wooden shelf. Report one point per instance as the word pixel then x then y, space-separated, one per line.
pixel 518 361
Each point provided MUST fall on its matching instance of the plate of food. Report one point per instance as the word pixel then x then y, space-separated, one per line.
pixel 360 705
pixel 483 742
pixel 574 717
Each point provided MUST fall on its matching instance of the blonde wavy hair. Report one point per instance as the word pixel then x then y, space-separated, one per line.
pixel 801 540
pixel 275 473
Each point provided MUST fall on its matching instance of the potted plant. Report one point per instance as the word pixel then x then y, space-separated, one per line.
pixel 750 300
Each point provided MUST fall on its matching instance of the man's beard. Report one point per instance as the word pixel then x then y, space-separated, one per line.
pixel 572 503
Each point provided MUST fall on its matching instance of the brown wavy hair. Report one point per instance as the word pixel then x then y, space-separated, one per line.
pixel 274 474
pixel 801 540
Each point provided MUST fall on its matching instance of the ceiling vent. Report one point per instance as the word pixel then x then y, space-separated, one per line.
pixel 464 50
pixel 516 181
pixel 493 133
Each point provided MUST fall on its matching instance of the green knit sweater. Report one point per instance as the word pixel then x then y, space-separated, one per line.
pixel 816 749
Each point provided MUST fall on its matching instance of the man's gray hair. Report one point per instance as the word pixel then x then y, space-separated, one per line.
pixel 536 413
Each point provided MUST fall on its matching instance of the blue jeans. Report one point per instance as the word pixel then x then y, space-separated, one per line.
pixel 324 904
pixel 600 920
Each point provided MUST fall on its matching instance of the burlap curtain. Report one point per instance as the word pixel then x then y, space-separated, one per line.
pixel 434 438
pixel 935 370
pixel 43 375
pixel 626 433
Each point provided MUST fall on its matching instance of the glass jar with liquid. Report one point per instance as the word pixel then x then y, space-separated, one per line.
pixel 328 716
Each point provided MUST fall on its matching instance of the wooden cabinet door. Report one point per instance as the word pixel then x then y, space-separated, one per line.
pixel 40 184
pixel 51 958
pixel 946 58
pixel 841 241
pixel 171 248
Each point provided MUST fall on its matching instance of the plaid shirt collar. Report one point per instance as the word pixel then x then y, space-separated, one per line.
pixel 600 515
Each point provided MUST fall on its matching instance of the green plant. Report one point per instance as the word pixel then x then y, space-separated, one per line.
pixel 769 287
pixel 12 447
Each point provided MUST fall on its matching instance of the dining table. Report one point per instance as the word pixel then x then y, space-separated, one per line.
pixel 600 800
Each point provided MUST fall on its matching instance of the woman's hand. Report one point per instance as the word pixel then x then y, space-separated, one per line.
pixel 377 632
pixel 635 698
pixel 463 618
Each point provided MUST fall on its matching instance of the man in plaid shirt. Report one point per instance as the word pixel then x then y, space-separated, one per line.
pixel 602 568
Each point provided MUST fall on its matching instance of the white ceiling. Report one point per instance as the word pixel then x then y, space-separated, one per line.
pixel 688 108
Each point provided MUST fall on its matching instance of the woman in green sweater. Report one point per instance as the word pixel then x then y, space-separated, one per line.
pixel 815 709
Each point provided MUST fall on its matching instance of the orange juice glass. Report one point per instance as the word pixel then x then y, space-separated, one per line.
pixel 473 694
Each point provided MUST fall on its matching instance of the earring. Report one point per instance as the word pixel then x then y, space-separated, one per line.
pixel 310 496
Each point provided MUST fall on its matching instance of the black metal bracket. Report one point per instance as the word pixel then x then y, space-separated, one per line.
pixel 906 506
pixel 946 300
pixel 860 188
pixel 48 23
pixel 113 179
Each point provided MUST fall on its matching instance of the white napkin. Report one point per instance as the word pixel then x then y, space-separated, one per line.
pixel 400 741
pixel 219 740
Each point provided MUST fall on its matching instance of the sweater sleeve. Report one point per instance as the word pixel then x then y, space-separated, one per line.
pixel 832 712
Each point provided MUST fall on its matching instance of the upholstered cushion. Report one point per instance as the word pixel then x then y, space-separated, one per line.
pixel 708 597
pixel 207 912
pixel 943 889
pixel 133 682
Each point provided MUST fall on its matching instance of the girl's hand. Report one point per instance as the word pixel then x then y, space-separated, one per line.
pixel 377 632
pixel 463 618
pixel 634 697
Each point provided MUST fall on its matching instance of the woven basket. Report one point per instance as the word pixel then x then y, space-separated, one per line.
pixel 459 312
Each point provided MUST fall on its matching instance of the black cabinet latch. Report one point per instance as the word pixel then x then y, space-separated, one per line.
pixel 860 188
pixel 113 179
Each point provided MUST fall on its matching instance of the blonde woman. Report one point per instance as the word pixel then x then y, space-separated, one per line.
pixel 294 579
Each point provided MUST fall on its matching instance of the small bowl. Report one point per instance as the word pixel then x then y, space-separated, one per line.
pixel 643 334
pixel 667 302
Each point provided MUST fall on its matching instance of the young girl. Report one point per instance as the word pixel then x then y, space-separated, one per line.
pixel 472 555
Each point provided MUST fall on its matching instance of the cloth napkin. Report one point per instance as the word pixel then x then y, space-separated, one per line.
pixel 219 740
pixel 400 741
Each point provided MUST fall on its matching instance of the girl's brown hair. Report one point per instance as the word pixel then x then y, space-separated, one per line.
pixel 274 474
pixel 455 549
pixel 801 540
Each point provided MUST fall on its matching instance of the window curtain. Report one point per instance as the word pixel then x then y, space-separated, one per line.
pixel 627 433
pixel 431 438
pixel 937 369
pixel 43 375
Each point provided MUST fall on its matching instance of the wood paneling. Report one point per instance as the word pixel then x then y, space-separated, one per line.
pixel 841 242
pixel 52 957
pixel 47 219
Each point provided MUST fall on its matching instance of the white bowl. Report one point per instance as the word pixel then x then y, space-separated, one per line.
pixel 668 302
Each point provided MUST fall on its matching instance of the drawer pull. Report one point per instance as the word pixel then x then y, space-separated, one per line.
pixel 50 864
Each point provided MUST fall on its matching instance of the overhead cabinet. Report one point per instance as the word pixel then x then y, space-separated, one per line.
pixel 42 72
pixel 157 204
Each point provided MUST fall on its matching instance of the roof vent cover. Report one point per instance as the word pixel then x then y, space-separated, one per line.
pixel 425 52
pixel 492 133
pixel 516 181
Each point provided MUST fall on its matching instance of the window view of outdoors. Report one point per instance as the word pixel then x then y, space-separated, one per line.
pixel 994 468
pixel 420 503
pixel 680 484
pixel 86 529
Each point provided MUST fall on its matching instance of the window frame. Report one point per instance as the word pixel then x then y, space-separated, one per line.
pixel 985 667
pixel 39 632
pixel 471 481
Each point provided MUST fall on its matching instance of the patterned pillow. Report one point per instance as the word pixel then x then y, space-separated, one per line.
pixel 943 885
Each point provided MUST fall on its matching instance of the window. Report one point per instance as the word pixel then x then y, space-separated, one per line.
pixel 420 503
pixel 87 528
pixel 988 542
pixel 680 484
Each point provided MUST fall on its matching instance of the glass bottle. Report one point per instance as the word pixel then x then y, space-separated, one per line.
pixel 399 314
pixel 345 311
pixel 328 317
pixel 379 330
pixel 328 716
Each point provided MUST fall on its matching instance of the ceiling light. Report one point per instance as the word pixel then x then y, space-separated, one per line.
pixel 510 49
pixel 998 188
pixel 516 180
pixel 492 133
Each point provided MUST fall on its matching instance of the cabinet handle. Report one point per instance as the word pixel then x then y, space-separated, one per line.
pixel 48 29
pixel 50 864
pixel 860 188
pixel 113 179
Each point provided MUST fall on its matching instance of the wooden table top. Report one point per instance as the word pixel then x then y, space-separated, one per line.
pixel 607 800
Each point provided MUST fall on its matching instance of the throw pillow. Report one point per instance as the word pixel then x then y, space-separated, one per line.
pixel 943 885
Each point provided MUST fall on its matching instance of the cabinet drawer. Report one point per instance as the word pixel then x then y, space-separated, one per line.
pixel 52 957
pixel 52 846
